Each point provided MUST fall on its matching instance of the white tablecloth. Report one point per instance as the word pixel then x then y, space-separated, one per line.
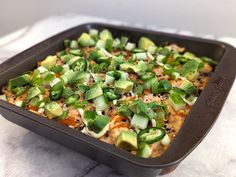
pixel 25 154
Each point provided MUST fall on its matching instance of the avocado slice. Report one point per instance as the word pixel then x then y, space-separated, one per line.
pixel 145 43
pixel 123 86
pixel 33 92
pixel 127 140
pixel 94 92
pixel 49 62
pixel 129 67
pixel 73 44
pixel 53 110
pixel 105 35
pixel 192 56
pixel 85 40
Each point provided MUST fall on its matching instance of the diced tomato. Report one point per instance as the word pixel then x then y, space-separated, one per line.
pixel 69 121
pixel 57 75
pixel 146 91
pixel 33 108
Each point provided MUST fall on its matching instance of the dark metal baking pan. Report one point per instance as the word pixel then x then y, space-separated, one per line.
pixel 198 123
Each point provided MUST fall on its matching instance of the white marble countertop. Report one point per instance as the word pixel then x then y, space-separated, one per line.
pixel 26 154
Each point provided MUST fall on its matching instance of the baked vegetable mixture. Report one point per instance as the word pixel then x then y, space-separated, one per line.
pixel 133 96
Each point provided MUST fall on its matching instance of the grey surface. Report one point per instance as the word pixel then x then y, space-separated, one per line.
pixel 25 154
pixel 200 16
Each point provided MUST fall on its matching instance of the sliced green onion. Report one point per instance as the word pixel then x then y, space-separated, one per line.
pixel 67 43
pixel 147 75
pixel 139 90
pixel 164 86
pixel 130 46
pixel 168 69
pixel 103 67
pixel 71 99
pixel 100 44
pixel 140 56
pixel 74 44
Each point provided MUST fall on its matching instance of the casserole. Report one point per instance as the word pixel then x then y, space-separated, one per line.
pixel 194 129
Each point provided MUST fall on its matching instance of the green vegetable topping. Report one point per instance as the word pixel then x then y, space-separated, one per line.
pixel 123 86
pixel 120 89
pixel 85 40
pixel 151 135
pixel 127 140
pixel 53 110
pixel 98 123
pixel 144 150
pixel 94 92
pixel 190 70
pixel 145 43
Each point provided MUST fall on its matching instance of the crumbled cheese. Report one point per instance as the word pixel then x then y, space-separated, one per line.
pixel 41 110
pixel 114 102
pixel 166 140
